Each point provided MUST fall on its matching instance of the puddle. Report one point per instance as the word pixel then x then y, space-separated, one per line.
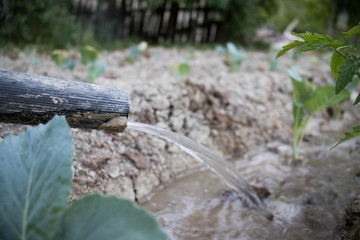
pixel 308 198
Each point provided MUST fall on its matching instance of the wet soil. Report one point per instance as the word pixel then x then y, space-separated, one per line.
pixel 232 113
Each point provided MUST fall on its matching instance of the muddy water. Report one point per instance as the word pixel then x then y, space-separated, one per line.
pixel 212 160
pixel 308 197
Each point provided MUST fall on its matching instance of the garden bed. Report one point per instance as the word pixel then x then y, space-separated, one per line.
pixel 233 113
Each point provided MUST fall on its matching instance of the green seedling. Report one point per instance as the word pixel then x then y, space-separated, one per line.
pixel 89 58
pixel 35 183
pixel 344 64
pixel 95 70
pixel 181 71
pixel 306 102
pixel 136 51
pixel 88 55
pixel 63 60
pixel 221 49
pixel 234 54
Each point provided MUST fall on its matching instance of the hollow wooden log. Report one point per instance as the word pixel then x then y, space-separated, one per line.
pixel 31 99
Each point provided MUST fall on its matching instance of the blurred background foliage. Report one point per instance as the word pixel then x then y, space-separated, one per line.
pixel 323 16
pixel 63 24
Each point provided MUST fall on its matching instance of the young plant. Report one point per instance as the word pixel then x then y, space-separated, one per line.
pixel 306 102
pixel 181 70
pixel 95 68
pixel 136 51
pixel 344 64
pixel 234 55
pixel 89 57
pixel 63 60
pixel 35 183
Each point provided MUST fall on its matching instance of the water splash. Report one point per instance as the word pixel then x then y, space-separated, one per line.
pixel 212 160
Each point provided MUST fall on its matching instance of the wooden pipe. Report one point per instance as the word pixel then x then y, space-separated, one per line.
pixel 31 99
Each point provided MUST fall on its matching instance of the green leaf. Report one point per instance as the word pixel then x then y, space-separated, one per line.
pixel 108 217
pixel 220 49
pixel 317 41
pixel 95 70
pixel 134 52
pixel 273 64
pixel 357 100
pixel 35 180
pixel 292 45
pixel 60 57
pixel 184 69
pixel 325 97
pixel 298 114
pixel 352 32
pixel 348 136
pixel 336 61
pixel 235 66
pixel 301 90
pixel 232 49
pixel 88 55
pixel 311 42
pixel 307 36
pixel 69 64
pixel 346 73
pixel 129 60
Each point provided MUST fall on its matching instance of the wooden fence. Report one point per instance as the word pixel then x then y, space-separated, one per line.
pixel 152 20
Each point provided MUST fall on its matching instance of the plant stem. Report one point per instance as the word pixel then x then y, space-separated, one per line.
pixel 298 138
pixel 341 54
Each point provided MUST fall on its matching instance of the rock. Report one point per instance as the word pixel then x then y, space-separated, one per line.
pixel 158 143
pixel 162 115
pixel 165 177
pixel 139 159
pixel 177 122
pixel 122 187
pixel 200 134
pixel 160 102
pixel 114 172
pixel 173 148
pixel 145 183
pixel 97 160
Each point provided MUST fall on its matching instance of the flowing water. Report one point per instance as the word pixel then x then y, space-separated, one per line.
pixel 212 160
pixel 308 198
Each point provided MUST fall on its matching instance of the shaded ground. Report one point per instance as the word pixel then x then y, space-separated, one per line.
pixel 231 113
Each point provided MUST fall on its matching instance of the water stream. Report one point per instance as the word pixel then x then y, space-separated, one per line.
pixel 212 160
pixel 308 198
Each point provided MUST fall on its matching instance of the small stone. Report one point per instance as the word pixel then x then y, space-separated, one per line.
pixel 122 187
pixel 177 122
pixel 92 174
pixel 173 148
pixel 145 183
pixel 114 172
pixel 98 159
pixel 139 160
pixel 160 102
pixel 164 114
pixel 158 143
pixel 165 177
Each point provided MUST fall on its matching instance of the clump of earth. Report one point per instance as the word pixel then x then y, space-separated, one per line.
pixel 232 113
